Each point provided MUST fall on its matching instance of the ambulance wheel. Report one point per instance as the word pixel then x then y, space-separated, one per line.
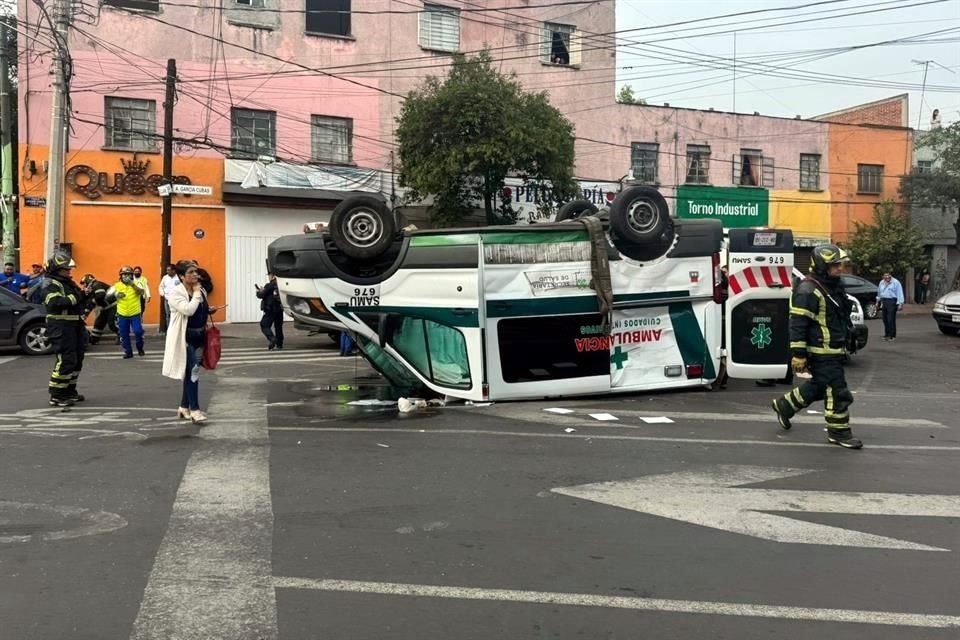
pixel 362 227
pixel 640 215
pixel 576 209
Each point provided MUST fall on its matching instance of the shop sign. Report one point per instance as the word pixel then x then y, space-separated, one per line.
pixel 34 201
pixel 524 199
pixel 733 206
pixel 134 180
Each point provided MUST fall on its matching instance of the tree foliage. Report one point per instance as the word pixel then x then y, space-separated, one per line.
pixel 627 96
pixel 889 244
pixel 941 185
pixel 460 137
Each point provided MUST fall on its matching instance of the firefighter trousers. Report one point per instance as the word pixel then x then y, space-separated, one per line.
pixel 828 384
pixel 69 340
pixel 106 320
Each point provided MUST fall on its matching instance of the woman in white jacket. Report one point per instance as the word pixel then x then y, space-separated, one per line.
pixel 186 336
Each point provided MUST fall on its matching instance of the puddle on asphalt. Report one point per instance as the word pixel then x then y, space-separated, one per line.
pixel 366 399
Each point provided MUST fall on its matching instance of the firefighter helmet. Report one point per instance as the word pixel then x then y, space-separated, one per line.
pixel 826 255
pixel 60 260
pixel 87 279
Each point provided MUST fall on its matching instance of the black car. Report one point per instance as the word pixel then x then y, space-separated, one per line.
pixel 23 323
pixel 865 292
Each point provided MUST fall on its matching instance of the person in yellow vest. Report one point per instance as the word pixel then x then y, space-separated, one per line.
pixel 127 294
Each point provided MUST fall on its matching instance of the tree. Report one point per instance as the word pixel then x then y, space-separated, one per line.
pixel 461 136
pixel 889 244
pixel 626 96
pixel 941 185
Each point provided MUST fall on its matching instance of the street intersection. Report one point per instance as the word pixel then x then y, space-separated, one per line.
pixel 310 508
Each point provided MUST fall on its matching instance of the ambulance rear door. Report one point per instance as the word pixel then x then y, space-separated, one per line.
pixel 757 314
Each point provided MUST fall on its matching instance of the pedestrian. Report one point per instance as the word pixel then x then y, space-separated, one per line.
pixel 97 300
pixel 818 339
pixel 128 295
pixel 271 324
pixel 141 281
pixel 186 338
pixel 12 280
pixel 205 280
pixel 65 301
pixel 923 286
pixel 167 284
pixel 35 284
pixel 890 300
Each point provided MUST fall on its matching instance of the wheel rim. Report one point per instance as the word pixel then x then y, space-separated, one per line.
pixel 643 216
pixel 363 228
pixel 36 339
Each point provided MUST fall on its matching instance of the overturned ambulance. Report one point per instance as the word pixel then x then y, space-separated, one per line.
pixel 625 299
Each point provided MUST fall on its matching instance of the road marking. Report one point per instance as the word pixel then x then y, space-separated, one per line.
pixel 854 616
pixel 617 437
pixel 8 359
pixel 770 418
pixel 714 498
pixel 87 522
pixel 211 576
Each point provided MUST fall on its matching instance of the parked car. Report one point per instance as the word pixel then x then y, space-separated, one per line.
pixel 858 340
pixel 865 292
pixel 946 311
pixel 23 324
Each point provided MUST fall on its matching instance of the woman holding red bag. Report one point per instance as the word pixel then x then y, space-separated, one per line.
pixel 186 338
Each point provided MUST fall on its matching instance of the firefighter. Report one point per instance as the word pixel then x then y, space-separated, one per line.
pixel 104 304
pixel 819 325
pixel 65 302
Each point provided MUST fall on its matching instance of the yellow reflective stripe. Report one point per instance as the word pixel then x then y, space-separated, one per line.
pixel 822 317
pixel 61 316
pixel 55 385
pixel 72 298
pixel 798 345
pixel 829 402
pixel 51 296
pixel 800 311
pixel 790 401
pixel 827 351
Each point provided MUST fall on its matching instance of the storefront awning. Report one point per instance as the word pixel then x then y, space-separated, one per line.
pixel 235 194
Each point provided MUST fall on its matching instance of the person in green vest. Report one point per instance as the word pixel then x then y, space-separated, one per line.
pixel 128 294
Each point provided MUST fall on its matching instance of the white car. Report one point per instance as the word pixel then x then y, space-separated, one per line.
pixel 946 311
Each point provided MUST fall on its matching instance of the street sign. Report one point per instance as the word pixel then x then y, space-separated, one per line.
pixel 192 190
pixel 164 190
pixel 711 498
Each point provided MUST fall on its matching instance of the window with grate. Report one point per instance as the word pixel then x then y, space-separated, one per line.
pixel 253 132
pixel 440 28
pixel 142 5
pixel 643 161
pixel 869 178
pixel 332 139
pixel 328 16
pixel 130 124
pixel 924 166
pixel 698 164
pixel 560 44
pixel 810 172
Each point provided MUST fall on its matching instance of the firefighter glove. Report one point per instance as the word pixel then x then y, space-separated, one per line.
pixel 798 364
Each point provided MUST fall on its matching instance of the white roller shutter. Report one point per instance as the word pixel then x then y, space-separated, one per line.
pixel 440 28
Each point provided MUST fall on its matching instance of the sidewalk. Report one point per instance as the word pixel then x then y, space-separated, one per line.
pixel 917 309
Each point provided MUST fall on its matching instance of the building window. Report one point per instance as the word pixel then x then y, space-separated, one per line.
pixel 643 161
pixel 328 16
pixel 560 45
pixel 698 164
pixel 141 5
pixel 130 124
pixel 924 166
pixel 869 178
pixel 752 169
pixel 253 4
pixel 440 28
pixel 332 139
pixel 810 172
pixel 254 132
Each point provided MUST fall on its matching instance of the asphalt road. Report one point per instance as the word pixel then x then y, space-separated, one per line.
pixel 295 514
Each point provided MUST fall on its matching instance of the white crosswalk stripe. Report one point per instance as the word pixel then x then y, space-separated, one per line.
pixel 8 359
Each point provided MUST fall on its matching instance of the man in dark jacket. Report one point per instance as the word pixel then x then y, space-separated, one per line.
pixel 271 324
pixel 65 302
pixel 819 327
pixel 106 307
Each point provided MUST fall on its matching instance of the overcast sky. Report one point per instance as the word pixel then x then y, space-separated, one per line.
pixel 688 85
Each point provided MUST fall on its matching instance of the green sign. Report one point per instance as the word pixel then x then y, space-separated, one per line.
pixel 733 206
pixel 761 336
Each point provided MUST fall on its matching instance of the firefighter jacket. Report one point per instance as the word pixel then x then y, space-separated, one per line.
pixel 819 318
pixel 64 299
pixel 98 297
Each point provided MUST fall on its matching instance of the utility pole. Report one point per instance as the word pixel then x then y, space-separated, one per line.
pixel 53 227
pixel 734 71
pixel 923 87
pixel 7 204
pixel 167 200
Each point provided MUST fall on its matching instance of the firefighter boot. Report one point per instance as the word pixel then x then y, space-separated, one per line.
pixel 782 413
pixel 843 438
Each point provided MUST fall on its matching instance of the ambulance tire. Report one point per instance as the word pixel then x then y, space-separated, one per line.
pixel 362 227
pixel 640 215
pixel 576 209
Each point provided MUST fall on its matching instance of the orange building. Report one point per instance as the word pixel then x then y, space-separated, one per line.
pixel 112 216
pixel 871 148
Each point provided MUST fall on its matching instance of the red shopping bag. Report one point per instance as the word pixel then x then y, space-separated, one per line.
pixel 211 348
